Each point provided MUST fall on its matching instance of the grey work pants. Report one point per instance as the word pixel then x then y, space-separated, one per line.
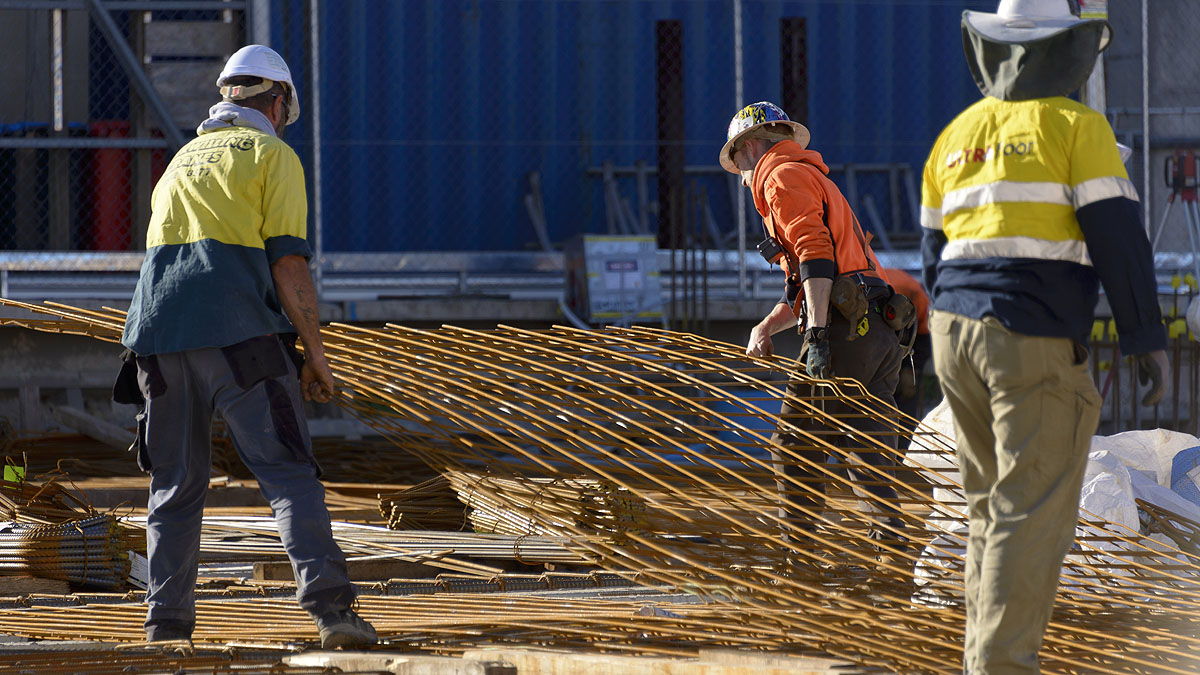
pixel 873 360
pixel 1025 409
pixel 254 386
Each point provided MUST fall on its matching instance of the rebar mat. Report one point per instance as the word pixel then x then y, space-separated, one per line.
pixel 650 451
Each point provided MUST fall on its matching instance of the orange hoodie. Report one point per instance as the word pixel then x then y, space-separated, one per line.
pixel 808 215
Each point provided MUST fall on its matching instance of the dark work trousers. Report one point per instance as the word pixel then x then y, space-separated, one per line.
pixel 255 387
pixel 909 397
pixel 874 361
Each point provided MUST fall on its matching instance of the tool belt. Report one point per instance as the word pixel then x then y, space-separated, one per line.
pixel 853 295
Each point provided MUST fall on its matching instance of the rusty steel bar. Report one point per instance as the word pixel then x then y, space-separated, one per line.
pixel 648 451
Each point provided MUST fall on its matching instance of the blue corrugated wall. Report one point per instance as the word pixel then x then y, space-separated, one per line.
pixel 436 111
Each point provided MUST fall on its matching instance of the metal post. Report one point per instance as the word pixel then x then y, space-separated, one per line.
pixel 56 58
pixel 1146 115
pixel 739 96
pixel 258 27
pixel 59 235
pixel 1094 94
pixel 315 114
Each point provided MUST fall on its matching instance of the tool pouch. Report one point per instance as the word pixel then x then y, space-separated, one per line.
pixel 848 298
pixel 125 388
pixel 898 312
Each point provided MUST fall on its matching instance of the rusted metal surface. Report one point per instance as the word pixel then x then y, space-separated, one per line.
pixel 646 450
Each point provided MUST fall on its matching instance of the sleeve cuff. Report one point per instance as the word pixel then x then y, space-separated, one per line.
pixel 790 293
pixel 818 267
pixel 1144 340
pixel 285 245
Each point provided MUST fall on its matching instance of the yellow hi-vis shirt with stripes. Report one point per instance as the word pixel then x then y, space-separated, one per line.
pixel 1005 178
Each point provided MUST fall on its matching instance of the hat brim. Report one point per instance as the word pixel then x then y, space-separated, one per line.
pixel 799 134
pixel 1018 30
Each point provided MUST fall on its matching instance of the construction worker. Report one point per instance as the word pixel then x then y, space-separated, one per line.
pixel 813 235
pixel 1026 210
pixel 912 370
pixel 223 291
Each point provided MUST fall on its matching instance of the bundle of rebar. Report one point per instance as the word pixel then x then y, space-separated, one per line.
pixel 443 622
pixel 53 533
pixel 90 552
pixel 679 430
pixel 430 505
pixel 41 501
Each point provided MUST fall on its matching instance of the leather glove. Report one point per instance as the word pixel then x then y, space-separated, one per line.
pixel 1152 369
pixel 817 360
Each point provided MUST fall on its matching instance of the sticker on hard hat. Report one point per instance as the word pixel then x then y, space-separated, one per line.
pixel 755 115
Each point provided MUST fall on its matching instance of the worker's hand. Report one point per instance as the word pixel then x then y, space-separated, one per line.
pixel 316 379
pixel 817 360
pixel 760 343
pixel 1153 368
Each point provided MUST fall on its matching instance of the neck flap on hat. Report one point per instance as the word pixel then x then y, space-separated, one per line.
pixel 1015 71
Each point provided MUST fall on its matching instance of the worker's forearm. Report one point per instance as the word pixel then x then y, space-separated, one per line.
pixel 780 318
pixel 816 294
pixel 298 296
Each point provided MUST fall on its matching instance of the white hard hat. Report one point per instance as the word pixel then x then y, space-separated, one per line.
pixel 1020 21
pixel 264 62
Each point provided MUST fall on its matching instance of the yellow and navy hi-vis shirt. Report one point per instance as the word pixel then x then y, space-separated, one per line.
pixel 1026 208
pixel 230 203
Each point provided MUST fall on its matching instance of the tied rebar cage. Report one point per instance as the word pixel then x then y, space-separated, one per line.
pixel 651 452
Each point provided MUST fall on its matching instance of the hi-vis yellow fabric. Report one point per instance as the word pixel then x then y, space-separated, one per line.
pixel 230 204
pixel 217 188
pixel 1006 177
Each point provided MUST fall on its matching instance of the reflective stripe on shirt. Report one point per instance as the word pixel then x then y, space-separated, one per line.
pixel 1005 191
pixel 1105 187
pixel 1071 250
pixel 931 219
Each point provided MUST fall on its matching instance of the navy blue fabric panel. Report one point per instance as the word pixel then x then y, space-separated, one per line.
pixel 932 243
pixel 285 245
pixel 203 294
pixel 818 267
pixel 1121 255
pixel 1047 298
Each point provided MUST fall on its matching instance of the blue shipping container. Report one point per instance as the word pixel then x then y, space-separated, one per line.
pixel 435 112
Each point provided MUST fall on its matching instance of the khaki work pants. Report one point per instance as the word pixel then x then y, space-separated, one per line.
pixel 1025 409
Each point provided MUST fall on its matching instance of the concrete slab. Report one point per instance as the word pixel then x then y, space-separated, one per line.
pixel 735 662
pixel 504 661
pixel 399 664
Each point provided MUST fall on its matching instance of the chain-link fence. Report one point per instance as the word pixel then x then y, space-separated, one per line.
pixel 504 125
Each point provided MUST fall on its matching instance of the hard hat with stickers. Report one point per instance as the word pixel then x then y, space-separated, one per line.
pixel 755 116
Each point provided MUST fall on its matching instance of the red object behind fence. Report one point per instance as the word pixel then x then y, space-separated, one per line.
pixel 112 187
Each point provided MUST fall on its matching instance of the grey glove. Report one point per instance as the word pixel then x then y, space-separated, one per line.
pixel 817 360
pixel 1152 369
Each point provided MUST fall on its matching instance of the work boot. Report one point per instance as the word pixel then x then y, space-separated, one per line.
pixel 345 629
pixel 168 630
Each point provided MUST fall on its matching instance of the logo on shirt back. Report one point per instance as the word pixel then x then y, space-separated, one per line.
pixel 987 153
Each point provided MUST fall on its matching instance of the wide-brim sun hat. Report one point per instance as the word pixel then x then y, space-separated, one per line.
pixel 1020 21
pixel 755 116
